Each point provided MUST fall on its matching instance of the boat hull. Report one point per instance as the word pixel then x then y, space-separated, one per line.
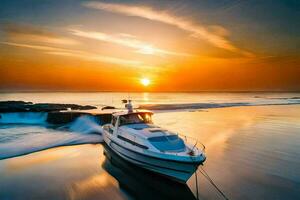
pixel 173 169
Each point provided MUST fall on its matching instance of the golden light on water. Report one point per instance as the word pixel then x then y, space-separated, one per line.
pixel 145 82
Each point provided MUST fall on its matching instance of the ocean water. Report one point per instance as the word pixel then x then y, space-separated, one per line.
pixel 114 99
pixel 252 142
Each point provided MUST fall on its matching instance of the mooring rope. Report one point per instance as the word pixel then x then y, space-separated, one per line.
pixel 197 185
pixel 204 173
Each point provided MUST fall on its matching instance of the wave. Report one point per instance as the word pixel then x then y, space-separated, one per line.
pixel 85 124
pixel 84 130
pixel 194 106
pixel 189 106
pixel 23 118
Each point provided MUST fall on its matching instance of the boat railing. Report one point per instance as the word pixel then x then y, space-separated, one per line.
pixel 196 144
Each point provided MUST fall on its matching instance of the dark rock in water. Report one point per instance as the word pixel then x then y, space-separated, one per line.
pixel 14 106
pixel 67 117
pixel 104 118
pixel 47 107
pixel 108 107
pixel 63 117
pixel 14 103
pixel 57 113
pixel 22 106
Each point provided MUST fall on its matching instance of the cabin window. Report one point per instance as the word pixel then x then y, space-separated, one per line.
pixel 136 118
pixel 132 142
pixel 168 143
pixel 110 130
pixel 113 121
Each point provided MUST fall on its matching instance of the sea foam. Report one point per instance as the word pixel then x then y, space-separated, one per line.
pixel 23 118
pixel 33 138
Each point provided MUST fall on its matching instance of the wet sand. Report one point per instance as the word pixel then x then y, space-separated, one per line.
pixel 253 153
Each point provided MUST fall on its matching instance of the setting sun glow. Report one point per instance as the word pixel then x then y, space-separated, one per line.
pixel 145 81
pixel 157 46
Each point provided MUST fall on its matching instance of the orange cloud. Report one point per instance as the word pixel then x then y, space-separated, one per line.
pixel 37 47
pixel 197 30
pixel 127 41
pixel 78 54
pixel 17 32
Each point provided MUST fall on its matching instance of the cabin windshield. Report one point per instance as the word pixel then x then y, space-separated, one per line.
pixel 136 118
pixel 168 143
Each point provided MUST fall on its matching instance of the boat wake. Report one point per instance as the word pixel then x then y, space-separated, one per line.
pixel 34 135
pixel 23 118
pixel 85 124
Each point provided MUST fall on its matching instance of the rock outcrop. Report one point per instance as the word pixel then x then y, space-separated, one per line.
pixel 67 117
pixel 57 113
pixel 23 106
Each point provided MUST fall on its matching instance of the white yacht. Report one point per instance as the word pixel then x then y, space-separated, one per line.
pixel 134 137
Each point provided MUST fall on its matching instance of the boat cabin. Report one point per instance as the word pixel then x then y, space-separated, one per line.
pixel 135 117
pixel 141 123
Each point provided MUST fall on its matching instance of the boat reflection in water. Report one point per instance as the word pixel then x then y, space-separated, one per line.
pixel 141 183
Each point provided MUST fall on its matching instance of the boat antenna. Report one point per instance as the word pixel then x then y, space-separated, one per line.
pixel 128 105
pixel 128 96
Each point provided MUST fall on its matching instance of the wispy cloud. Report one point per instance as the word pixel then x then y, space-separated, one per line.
pixel 127 41
pixel 99 58
pixel 22 32
pixel 38 47
pixel 78 54
pixel 197 30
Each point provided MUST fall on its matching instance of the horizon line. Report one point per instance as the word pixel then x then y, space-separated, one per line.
pixel 140 91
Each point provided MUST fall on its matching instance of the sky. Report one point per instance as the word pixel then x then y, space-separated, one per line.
pixel 187 45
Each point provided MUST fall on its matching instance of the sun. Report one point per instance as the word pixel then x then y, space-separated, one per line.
pixel 145 82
